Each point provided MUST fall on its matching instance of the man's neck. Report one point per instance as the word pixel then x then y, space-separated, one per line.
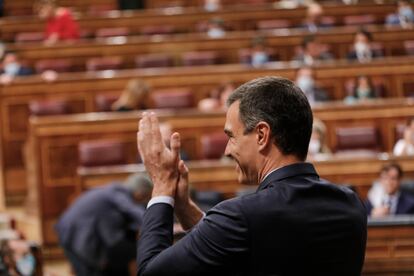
pixel 271 165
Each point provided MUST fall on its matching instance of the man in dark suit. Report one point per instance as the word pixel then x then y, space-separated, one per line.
pixel 99 230
pixel 391 201
pixel 294 224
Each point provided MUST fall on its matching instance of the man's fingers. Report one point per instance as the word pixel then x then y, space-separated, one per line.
pixel 175 144
pixel 155 129
pixel 182 168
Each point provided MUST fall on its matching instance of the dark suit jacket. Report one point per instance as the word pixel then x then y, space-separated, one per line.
pixel 97 221
pixel 295 224
pixel 405 205
pixel 353 56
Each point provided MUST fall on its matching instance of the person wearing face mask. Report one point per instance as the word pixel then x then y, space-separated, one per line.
pixel 362 49
pixel 215 28
pixel 212 5
pixel 305 81
pixel 258 53
pixel 403 17
pixel 11 68
pixel 317 144
pixel 364 90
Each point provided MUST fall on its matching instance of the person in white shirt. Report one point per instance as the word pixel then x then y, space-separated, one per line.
pixel 405 146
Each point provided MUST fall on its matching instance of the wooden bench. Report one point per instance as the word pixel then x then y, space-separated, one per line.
pixel 186 19
pixel 284 44
pixel 81 90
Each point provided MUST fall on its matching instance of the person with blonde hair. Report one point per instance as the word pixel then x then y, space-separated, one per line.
pixel 133 97
pixel 317 144
pixel 60 24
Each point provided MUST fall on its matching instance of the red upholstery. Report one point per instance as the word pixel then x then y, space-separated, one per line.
pixel 409 47
pixel 29 37
pixel 58 65
pixel 328 20
pixel 104 102
pixel 104 63
pixel 359 19
pixel 43 108
pixel 200 58
pixel 172 98
pixel 111 32
pixel 273 24
pixel 213 145
pixel 154 60
pixel 101 152
pixel 357 138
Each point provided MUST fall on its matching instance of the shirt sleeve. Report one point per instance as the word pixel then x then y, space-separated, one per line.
pixel 161 199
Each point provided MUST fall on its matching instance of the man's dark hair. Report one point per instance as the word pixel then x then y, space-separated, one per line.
pixel 280 103
pixel 395 166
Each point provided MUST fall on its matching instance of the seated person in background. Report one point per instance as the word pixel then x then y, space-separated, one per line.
pixel 317 144
pixel 218 98
pixel 11 67
pixel 134 96
pixel 306 82
pixel 215 28
pixel 364 90
pixel 258 53
pixel 362 48
pixel 376 192
pixel 16 258
pixel 212 5
pixel 98 232
pixel 313 16
pixel 403 17
pixel 405 146
pixel 394 201
pixel 312 51
pixel 60 25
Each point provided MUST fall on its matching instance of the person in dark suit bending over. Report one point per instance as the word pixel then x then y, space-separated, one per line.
pixel 294 224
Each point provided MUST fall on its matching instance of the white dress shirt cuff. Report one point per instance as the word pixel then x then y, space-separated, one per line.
pixel 161 199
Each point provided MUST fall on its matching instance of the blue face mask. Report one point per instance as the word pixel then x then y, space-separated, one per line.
pixel 259 58
pixel 12 69
pixel 406 13
pixel 305 83
pixel 26 265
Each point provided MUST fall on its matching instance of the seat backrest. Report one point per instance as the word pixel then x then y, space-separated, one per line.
pixel 172 98
pixel 357 138
pixel 111 32
pixel 104 63
pixel 101 152
pixel 104 102
pixel 359 20
pixel 49 107
pixel 154 60
pixel 200 58
pixel 58 65
pixel 213 145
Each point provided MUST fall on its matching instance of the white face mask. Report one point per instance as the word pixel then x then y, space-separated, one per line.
pixel 211 6
pixel 215 33
pixel 361 47
pixel 12 69
pixel 259 58
pixel 363 93
pixel 305 83
pixel 314 147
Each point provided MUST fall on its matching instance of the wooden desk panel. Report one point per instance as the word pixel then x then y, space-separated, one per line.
pixel 82 88
pixel 186 19
pixel 284 43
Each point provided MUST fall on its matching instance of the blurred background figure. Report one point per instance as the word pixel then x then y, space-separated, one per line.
pixel 215 28
pixel 11 67
pixel 317 144
pixel 404 15
pixel 258 53
pixel 134 97
pixel 306 82
pixel 394 201
pixel 17 258
pixel 405 146
pixel 363 90
pixel 362 49
pixel 60 25
pixel 312 21
pixel 218 97
pixel 212 5
pixel 311 51
pixel 98 232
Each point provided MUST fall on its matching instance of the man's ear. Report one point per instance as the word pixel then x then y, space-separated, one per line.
pixel 263 135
